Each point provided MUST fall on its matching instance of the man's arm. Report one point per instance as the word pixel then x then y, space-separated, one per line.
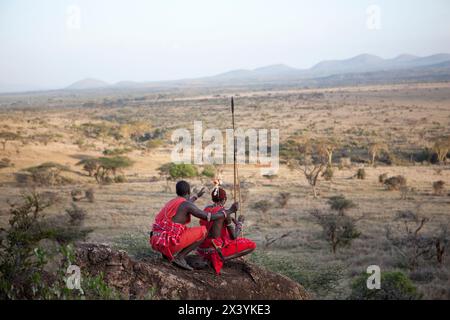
pixel 234 227
pixel 196 212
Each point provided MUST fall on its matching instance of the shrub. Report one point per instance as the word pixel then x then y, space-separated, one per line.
pixel 76 195
pixel 345 162
pixel 361 174
pixel 154 143
pixel 395 183
pixel 406 235
pixel 382 178
pixel 283 198
pixel 116 151
pixel 439 187
pixel 338 230
pixel 90 195
pixel 8 136
pixel 47 174
pixel 76 214
pixel 442 147
pixel 394 286
pixel 328 173
pixel 182 170
pixel 119 179
pixel 209 171
pixel 340 204
pixel 21 265
pixel 6 163
pixel 262 205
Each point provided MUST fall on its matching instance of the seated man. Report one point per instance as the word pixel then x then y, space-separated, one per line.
pixel 222 243
pixel 169 232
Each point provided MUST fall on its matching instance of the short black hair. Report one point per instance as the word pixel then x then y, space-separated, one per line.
pixel 183 188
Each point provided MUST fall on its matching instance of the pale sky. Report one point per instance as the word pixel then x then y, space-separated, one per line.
pixel 51 44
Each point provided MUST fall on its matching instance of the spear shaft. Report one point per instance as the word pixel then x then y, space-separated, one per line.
pixel 234 153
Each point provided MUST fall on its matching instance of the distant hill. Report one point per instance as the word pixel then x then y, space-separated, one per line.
pixel 88 83
pixel 360 64
pixel 364 68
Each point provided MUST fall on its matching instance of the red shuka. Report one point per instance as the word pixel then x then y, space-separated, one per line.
pixel 228 246
pixel 166 233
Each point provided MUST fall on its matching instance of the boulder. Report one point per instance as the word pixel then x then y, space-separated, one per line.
pixel 135 279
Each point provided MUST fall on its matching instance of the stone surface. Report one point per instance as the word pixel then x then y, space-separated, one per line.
pixel 135 279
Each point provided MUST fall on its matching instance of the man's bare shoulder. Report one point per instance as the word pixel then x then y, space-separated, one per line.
pixel 187 205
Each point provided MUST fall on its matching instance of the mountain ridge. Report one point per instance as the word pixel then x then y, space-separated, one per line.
pixel 279 73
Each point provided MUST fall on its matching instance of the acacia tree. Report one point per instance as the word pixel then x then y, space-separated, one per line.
pixel 312 173
pixel 408 238
pixel 90 165
pixel 101 168
pixel 442 147
pixel 338 230
pixel 375 148
pixel 304 158
pixel 6 136
pixel 326 148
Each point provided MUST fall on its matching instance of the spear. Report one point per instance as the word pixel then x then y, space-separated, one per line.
pixel 234 153
pixel 237 185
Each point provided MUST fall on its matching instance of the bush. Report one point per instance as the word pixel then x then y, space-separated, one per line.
pixel 120 179
pixel 382 178
pixel 345 162
pixel 338 230
pixel 153 144
pixel 47 174
pixel 328 173
pixel 101 168
pixel 262 205
pixel 8 136
pixel 6 163
pixel 340 204
pixel 76 195
pixel 76 214
pixel 394 286
pixel 182 170
pixel 116 151
pixel 90 195
pixel 283 198
pixel 209 171
pixel 395 183
pixel 23 259
pixel 361 174
pixel 439 187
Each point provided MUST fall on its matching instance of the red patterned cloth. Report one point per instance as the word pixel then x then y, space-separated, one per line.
pixel 166 233
pixel 228 246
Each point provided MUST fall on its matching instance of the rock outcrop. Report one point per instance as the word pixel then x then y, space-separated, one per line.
pixel 134 279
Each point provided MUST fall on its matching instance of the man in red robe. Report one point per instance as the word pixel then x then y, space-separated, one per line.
pixel 171 236
pixel 222 243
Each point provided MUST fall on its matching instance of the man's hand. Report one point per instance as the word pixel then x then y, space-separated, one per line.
pixel 240 220
pixel 234 207
pixel 201 192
